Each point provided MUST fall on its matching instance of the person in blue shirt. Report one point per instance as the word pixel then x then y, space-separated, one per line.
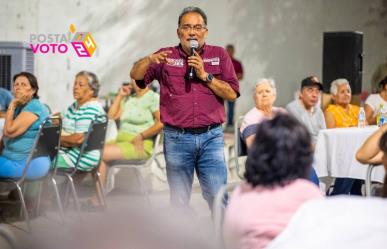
pixel 5 99
pixel 23 117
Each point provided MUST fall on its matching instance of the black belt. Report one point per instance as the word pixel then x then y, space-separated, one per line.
pixel 197 130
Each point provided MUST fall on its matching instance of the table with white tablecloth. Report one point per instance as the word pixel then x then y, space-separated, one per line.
pixel 335 153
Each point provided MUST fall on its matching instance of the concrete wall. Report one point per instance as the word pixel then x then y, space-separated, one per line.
pixel 279 39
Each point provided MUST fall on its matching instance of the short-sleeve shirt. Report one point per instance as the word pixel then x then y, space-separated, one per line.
pixel 252 119
pixel 19 148
pixel 191 103
pixel 342 118
pixel 137 113
pixel 375 101
pixel 5 99
pixel 78 120
pixel 314 121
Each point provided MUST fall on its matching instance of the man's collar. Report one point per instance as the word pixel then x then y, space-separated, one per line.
pixel 312 110
pixel 200 50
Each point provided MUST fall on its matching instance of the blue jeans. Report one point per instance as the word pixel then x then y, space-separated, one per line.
pixel 185 152
pixel 313 177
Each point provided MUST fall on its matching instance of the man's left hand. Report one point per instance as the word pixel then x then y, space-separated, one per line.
pixel 197 63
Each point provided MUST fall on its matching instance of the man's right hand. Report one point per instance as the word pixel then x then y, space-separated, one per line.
pixel 160 57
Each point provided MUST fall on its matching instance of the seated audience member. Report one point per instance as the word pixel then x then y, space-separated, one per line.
pixel 139 115
pixel 375 101
pixel 5 99
pixel 23 118
pixel 275 186
pixel 76 121
pixel 305 108
pixel 340 115
pixel 374 151
pixel 264 96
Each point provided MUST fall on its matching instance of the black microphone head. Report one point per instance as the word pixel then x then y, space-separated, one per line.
pixel 193 44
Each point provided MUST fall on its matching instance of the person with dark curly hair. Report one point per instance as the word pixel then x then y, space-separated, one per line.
pixel 276 185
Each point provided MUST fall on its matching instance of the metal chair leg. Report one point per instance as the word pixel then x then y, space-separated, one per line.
pixel 144 189
pixel 39 198
pixel 57 197
pixel 368 180
pixel 74 192
pixel 100 194
pixel 24 207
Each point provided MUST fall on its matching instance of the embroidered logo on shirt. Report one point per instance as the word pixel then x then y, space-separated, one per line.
pixel 175 62
pixel 214 61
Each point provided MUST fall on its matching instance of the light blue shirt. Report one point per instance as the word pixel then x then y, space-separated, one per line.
pixel 19 148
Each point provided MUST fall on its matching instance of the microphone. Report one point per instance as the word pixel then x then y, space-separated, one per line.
pixel 193 45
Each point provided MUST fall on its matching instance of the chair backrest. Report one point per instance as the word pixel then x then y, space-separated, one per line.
pixel 95 137
pixel 47 142
pixel 240 145
pixel 240 148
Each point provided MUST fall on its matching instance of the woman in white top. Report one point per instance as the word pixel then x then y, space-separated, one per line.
pixel 374 101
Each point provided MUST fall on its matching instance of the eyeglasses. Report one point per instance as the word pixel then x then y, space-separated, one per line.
pixel 196 28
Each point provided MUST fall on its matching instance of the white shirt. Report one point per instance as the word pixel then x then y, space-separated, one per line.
pixel 336 223
pixel 374 101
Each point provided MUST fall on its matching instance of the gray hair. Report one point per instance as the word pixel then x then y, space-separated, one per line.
pixel 336 83
pixel 268 81
pixel 193 10
pixel 92 80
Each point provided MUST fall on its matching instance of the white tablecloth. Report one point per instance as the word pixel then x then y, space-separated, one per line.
pixel 335 153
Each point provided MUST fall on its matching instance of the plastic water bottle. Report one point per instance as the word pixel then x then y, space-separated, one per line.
pixel 383 115
pixel 362 118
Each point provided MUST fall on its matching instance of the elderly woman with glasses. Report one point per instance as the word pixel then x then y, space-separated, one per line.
pixel 76 121
pixel 342 113
pixel 264 96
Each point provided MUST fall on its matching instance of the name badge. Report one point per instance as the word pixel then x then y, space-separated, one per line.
pixel 214 61
pixel 175 62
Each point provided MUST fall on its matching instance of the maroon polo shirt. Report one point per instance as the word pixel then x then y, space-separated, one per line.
pixel 190 103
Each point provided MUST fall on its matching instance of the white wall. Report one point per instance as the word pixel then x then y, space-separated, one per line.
pixel 279 39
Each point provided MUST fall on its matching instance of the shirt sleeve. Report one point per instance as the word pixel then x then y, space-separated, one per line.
pixel 153 72
pixel 228 72
pixel 34 107
pixel 155 103
pixel 371 102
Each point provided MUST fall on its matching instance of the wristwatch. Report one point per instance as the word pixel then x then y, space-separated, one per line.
pixel 209 78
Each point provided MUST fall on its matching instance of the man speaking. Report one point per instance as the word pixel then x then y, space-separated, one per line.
pixel 191 106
